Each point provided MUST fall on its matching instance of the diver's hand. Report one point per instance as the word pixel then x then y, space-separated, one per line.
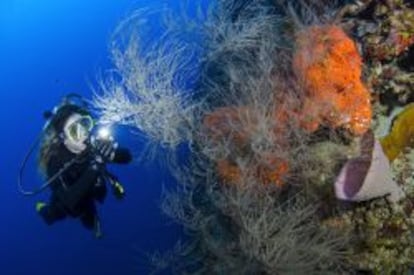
pixel 104 149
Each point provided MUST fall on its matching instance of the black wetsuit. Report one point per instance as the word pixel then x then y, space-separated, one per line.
pixel 74 193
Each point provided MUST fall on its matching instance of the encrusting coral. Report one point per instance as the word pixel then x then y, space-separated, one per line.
pixel 382 233
pixel 398 24
pixel 385 32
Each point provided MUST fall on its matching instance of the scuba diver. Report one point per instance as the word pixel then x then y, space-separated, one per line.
pixel 73 160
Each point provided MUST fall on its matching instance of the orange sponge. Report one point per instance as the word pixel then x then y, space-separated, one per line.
pixel 329 65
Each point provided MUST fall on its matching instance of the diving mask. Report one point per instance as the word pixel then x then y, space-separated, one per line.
pixel 76 131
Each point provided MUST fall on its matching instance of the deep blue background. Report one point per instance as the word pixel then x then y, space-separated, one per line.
pixel 49 48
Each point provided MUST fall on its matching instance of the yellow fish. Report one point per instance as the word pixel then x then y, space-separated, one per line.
pixel 401 134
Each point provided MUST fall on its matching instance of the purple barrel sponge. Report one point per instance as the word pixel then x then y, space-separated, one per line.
pixel 367 176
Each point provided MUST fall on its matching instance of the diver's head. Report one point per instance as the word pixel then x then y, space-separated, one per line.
pixel 76 131
pixel 74 125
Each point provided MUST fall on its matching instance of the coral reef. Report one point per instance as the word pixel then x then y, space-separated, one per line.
pixel 383 239
pixel 397 21
pixel 254 229
pixel 277 101
pixel 385 31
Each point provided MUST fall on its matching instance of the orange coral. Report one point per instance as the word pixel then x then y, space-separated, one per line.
pixel 273 171
pixel 229 123
pixel 237 125
pixel 228 172
pixel 328 63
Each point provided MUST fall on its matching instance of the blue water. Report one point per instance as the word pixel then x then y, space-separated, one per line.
pixel 49 48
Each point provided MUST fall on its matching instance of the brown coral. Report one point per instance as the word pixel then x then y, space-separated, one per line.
pixel 329 65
